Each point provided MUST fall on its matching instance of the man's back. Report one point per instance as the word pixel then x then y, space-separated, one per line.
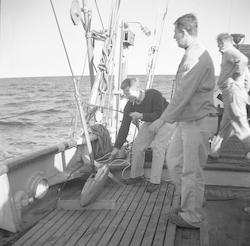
pixel 230 59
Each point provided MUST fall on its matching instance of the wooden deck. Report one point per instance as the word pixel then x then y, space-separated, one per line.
pixel 139 218
pixel 227 221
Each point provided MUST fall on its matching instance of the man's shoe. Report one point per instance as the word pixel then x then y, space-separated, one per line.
pixel 152 187
pixel 134 180
pixel 178 220
pixel 212 158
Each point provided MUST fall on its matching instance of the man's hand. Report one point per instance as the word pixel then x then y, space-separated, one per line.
pixel 155 126
pixel 136 116
pixel 114 153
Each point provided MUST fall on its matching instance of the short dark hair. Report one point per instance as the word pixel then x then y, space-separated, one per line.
pixel 188 22
pixel 224 37
pixel 130 82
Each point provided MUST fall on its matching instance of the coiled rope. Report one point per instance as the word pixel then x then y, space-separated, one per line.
pixel 103 146
pixel 117 162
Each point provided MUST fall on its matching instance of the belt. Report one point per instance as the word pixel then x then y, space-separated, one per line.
pixel 212 115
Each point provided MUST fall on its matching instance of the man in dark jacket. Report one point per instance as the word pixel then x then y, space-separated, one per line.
pixel 146 106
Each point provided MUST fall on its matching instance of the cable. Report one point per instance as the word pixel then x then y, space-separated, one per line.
pixel 61 189
pixel 62 38
pixel 99 14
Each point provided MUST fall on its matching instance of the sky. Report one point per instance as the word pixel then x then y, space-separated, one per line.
pixel 31 46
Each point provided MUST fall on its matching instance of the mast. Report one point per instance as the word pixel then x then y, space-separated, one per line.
pixel 126 40
pixel 86 14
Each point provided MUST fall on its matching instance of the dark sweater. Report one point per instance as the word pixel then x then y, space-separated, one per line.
pixel 151 107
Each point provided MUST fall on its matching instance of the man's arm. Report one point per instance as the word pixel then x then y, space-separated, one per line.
pixel 124 128
pixel 240 62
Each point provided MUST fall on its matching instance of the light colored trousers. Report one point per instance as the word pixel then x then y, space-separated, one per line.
pixel 234 120
pixel 186 159
pixel 160 143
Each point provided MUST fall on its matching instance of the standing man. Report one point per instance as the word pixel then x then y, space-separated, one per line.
pixel 146 106
pixel 234 85
pixel 192 107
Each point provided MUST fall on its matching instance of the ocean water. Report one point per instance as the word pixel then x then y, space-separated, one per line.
pixel 39 112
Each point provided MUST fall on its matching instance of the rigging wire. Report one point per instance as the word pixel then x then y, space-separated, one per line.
pixel 59 29
pixel 155 48
pixel 61 189
pixel 99 14
pixel 71 104
pixel 78 85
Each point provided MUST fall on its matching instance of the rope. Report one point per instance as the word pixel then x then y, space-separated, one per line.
pixel 155 48
pixel 101 85
pixel 58 26
pixel 103 146
pixel 99 14
pixel 117 162
pixel 106 161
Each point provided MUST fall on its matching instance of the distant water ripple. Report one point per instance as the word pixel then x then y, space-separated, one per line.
pixel 38 112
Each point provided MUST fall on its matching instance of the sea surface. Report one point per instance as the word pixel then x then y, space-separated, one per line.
pixel 39 112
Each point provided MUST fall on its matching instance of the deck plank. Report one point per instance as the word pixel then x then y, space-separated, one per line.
pixel 162 225
pixel 204 236
pixel 140 218
pixel 154 218
pixel 39 229
pixel 102 224
pixel 228 224
pixel 63 217
pixel 28 236
pixel 69 229
pixel 115 191
pixel 115 218
pixel 35 229
pixel 130 213
pixel 128 235
pixel 171 230
pixel 141 228
pixel 124 199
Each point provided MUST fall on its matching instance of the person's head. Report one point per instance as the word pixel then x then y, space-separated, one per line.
pixel 224 41
pixel 186 28
pixel 131 88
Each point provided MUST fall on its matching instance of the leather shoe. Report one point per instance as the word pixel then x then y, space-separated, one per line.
pixel 134 180
pixel 178 220
pixel 152 187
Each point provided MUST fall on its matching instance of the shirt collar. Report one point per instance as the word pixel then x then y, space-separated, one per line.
pixel 196 41
pixel 141 97
pixel 224 50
